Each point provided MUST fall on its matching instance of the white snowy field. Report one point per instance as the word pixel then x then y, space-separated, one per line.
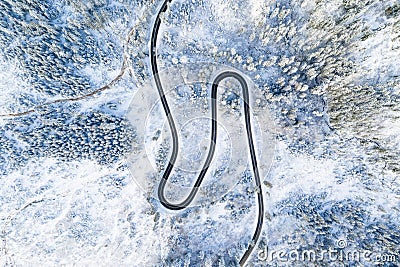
pixel 83 142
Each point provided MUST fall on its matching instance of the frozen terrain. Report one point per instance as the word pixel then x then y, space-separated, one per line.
pixel 83 142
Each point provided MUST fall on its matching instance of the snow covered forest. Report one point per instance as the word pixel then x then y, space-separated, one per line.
pixel 325 78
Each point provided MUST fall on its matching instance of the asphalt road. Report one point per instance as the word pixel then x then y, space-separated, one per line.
pixel 175 141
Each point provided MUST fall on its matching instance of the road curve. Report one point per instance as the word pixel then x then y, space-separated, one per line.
pixel 175 141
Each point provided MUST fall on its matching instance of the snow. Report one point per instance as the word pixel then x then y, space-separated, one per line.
pixel 79 177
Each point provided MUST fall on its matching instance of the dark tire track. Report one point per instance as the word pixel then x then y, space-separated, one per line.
pixel 226 74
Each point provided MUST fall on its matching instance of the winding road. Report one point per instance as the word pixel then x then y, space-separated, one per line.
pixel 226 74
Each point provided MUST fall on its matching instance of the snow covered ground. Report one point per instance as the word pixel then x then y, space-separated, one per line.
pixel 83 142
